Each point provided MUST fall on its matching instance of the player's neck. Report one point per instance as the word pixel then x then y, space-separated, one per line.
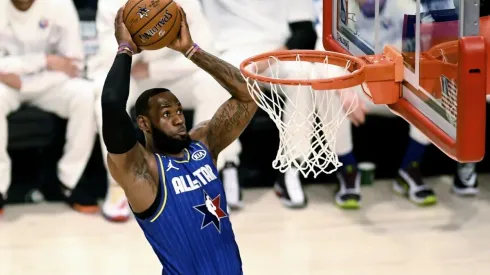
pixel 179 155
pixel 151 148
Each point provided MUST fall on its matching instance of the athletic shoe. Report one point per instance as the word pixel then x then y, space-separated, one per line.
pixel 410 184
pixel 231 184
pixel 465 181
pixel 348 195
pixel 290 190
pixel 80 200
pixel 116 207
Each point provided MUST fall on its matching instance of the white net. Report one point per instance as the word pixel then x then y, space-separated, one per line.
pixel 307 119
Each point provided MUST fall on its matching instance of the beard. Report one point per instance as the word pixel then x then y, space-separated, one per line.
pixel 167 144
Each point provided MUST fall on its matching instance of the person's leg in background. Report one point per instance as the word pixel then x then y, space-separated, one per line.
pixel 73 100
pixel 115 207
pixel 409 181
pixel 348 194
pixel 297 115
pixel 465 181
pixel 9 102
pixel 228 160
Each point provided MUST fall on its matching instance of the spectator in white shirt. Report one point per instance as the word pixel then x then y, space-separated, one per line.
pixel 40 65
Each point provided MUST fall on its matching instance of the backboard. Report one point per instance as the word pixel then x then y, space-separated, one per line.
pixel 444 79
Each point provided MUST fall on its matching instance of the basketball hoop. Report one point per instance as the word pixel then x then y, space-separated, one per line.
pixel 308 94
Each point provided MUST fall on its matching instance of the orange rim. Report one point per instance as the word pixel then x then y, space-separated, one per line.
pixel 356 67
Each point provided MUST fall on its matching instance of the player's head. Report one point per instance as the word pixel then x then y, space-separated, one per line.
pixel 22 5
pixel 368 8
pixel 160 117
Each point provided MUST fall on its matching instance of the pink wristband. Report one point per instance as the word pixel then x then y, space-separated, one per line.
pixel 125 47
pixel 191 51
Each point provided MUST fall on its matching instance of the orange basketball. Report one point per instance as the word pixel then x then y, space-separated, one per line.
pixel 153 24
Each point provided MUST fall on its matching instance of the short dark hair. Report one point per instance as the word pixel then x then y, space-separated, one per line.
pixel 143 100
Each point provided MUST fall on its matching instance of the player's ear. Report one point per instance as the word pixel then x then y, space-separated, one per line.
pixel 143 123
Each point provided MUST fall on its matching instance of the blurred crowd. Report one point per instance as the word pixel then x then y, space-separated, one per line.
pixel 44 62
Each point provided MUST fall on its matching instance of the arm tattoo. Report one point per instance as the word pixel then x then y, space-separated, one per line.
pixel 228 123
pixel 142 172
pixel 230 116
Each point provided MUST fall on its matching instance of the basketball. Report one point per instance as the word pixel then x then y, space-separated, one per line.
pixel 153 24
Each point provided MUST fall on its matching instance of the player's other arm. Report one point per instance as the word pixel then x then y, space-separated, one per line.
pixel 234 115
pixel 129 163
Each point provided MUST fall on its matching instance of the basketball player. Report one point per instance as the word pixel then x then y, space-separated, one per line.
pixel 195 88
pixel 170 204
pixel 39 53
pixel 257 27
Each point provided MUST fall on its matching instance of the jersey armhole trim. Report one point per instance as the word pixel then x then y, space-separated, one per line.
pixel 164 185
pixel 198 143
pixel 150 212
pixel 203 146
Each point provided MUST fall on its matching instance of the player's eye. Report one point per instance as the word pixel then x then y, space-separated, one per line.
pixel 166 114
pixel 179 111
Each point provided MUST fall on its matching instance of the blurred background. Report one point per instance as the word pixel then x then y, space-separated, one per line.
pixel 39 137
pixel 387 231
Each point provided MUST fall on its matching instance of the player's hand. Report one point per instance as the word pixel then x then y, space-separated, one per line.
pixel 63 64
pixel 183 42
pixel 140 70
pixel 349 98
pixel 10 79
pixel 121 32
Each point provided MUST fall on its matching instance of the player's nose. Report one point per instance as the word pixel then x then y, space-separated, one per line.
pixel 178 120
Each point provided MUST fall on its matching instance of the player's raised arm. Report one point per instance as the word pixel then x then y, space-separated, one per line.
pixel 234 115
pixel 129 163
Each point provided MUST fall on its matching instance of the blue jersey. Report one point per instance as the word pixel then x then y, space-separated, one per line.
pixel 190 231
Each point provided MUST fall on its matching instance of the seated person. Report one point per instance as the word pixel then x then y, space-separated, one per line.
pixel 39 66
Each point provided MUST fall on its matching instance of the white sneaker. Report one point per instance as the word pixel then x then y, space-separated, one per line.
pixel 465 181
pixel 116 207
pixel 290 190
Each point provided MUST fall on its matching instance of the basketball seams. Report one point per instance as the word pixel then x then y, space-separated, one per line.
pixel 129 12
pixel 170 29
pixel 151 19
